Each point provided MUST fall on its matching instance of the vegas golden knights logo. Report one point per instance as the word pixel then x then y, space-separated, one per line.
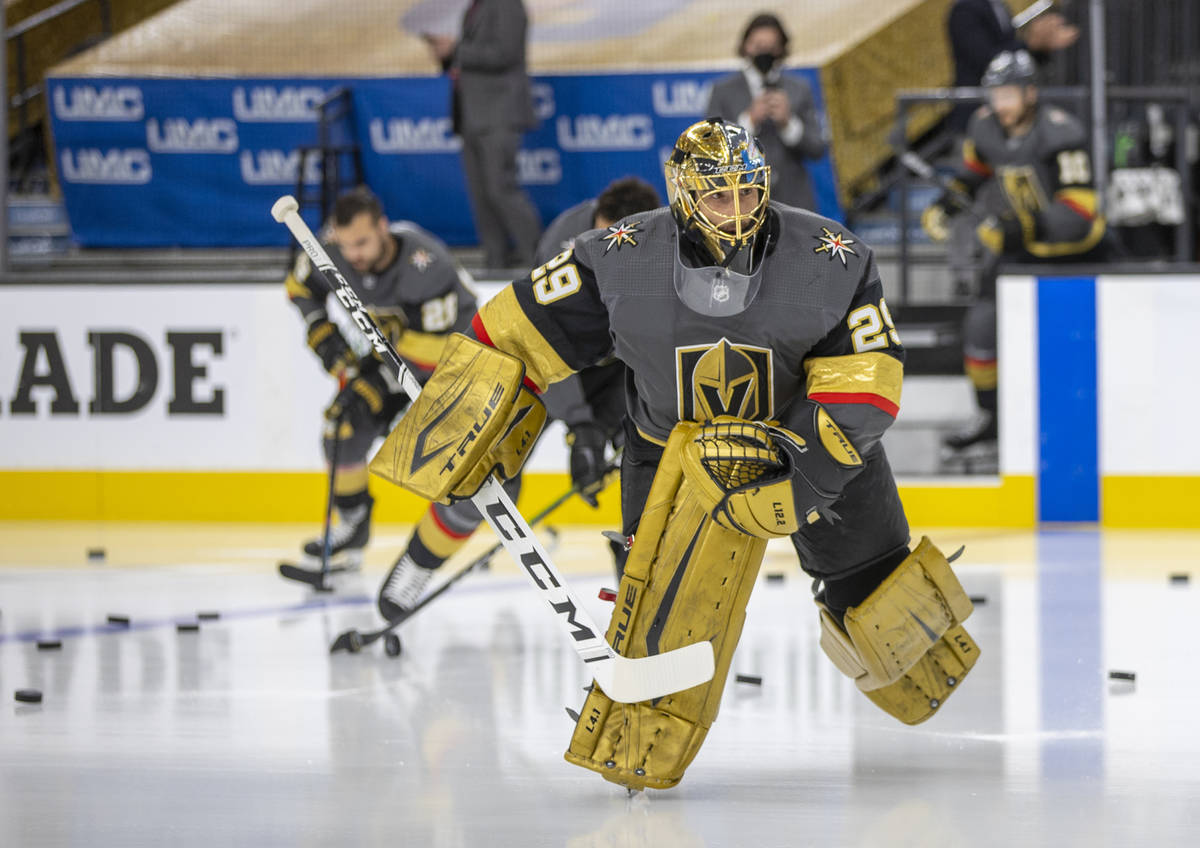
pixel 1023 188
pixel 724 379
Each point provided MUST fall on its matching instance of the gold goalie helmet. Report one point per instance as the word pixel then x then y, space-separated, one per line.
pixel 718 184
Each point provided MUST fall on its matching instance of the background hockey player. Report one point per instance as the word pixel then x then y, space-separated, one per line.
pixel 416 292
pixel 1030 167
pixel 764 370
pixel 592 403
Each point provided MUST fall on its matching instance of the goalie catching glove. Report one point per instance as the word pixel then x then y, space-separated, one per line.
pixel 768 481
pixel 473 417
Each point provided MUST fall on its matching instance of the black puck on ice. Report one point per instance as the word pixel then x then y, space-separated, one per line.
pixel 1180 578
pixel 96 554
pixel 28 696
pixel 749 678
pixel 775 577
pixel 122 620
pixel 187 627
pixel 208 616
pixel 978 600
pixel 1122 675
pixel 49 644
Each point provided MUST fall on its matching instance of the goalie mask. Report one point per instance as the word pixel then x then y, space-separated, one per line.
pixel 718 184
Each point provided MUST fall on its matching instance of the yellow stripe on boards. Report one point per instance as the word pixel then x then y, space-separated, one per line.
pixel 1126 501
pixel 1159 501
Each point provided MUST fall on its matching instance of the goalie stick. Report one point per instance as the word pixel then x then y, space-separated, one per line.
pixel 355 640
pixel 912 160
pixel 623 679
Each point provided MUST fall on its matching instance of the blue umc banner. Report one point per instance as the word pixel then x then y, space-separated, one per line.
pixel 198 162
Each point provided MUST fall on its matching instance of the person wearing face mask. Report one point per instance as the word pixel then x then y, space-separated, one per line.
pixel 776 108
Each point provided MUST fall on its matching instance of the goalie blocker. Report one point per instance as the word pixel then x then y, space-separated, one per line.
pixel 473 417
pixel 720 491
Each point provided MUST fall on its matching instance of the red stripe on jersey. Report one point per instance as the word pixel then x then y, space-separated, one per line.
pixel 977 166
pixel 433 514
pixel 979 363
pixel 877 401
pixel 1076 208
pixel 481 333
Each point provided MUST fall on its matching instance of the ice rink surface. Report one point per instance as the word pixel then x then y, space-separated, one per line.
pixel 248 732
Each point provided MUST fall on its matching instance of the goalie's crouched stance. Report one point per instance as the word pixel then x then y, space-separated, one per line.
pixel 721 490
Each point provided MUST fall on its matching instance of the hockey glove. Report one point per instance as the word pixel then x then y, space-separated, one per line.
pixel 362 397
pixel 935 220
pixel 587 466
pixel 821 459
pixel 1001 235
pixel 327 342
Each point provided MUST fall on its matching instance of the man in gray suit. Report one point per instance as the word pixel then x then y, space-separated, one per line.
pixel 777 108
pixel 492 108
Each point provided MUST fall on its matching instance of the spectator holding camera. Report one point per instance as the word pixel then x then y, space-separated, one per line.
pixel 774 107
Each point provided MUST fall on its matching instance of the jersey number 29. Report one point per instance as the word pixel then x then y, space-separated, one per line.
pixel 867 330
pixel 555 280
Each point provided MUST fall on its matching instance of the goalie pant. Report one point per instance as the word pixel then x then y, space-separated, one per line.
pixel 851 555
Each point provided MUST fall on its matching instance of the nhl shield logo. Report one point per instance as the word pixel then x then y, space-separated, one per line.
pixel 724 379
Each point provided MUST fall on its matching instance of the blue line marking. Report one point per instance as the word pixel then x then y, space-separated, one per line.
pixel 1069 466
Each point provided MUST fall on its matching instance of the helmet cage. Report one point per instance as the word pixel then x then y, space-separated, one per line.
pixel 712 158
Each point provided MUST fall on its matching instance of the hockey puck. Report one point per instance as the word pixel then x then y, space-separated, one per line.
pixel 208 616
pixel 187 627
pixel 1122 675
pixel 978 600
pixel 49 644
pixel 96 554
pixel 1180 578
pixel 122 620
pixel 609 595
pixel 28 696
pixel 392 646
pixel 749 678
pixel 775 577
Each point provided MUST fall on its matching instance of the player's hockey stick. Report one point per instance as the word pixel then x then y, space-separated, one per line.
pixel 354 640
pixel 289 571
pixel 623 679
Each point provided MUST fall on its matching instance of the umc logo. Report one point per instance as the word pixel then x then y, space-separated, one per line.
pixel 678 98
pixel 105 103
pixel 110 167
pixel 277 167
pixel 614 132
pixel 724 379
pixel 539 167
pixel 203 135
pixel 268 103
pixel 404 135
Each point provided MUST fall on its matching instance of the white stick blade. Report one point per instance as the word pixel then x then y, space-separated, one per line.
pixel 283 207
pixel 628 681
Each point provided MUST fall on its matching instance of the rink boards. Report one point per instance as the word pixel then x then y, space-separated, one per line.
pixel 201 402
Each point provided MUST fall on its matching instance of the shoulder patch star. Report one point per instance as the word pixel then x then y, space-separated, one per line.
pixel 835 245
pixel 421 259
pixel 619 234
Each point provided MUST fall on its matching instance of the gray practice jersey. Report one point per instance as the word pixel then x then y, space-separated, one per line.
pixel 815 325
pixel 417 299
